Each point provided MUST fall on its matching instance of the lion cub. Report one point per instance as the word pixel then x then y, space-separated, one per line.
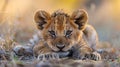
pixel 66 35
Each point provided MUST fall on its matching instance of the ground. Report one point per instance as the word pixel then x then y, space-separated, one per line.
pixel 11 56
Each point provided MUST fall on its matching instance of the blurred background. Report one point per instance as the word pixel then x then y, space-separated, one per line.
pixel 16 17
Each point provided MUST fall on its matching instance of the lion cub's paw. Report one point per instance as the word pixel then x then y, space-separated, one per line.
pixel 48 56
pixel 94 56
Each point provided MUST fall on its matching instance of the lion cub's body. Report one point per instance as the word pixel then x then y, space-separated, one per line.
pixel 64 33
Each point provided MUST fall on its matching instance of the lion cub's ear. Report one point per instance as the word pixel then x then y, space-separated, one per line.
pixel 80 18
pixel 41 18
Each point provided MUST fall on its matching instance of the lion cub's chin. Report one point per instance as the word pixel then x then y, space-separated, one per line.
pixel 63 54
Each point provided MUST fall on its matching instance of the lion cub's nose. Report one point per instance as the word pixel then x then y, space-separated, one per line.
pixel 60 46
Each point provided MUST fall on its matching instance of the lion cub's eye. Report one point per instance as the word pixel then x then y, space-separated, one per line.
pixel 52 33
pixel 68 33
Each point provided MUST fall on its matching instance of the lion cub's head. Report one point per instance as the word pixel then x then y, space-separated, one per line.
pixel 60 30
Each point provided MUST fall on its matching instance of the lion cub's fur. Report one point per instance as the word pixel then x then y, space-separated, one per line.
pixel 62 32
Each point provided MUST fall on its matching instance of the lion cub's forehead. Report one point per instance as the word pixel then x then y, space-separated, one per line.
pixel 60 16
pixel 60 20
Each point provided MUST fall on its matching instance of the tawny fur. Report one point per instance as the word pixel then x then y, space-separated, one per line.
pixel 70 31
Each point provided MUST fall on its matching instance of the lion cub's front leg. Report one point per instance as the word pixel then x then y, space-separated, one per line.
pixel 44 53
pixel 84 52
pixel 41 49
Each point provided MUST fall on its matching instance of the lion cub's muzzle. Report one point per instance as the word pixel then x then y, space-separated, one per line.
pixel 61 43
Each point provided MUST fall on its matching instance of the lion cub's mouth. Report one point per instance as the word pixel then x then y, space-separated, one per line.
pixel 63 54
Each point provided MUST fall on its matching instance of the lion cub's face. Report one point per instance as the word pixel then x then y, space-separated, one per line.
pixel 59 30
